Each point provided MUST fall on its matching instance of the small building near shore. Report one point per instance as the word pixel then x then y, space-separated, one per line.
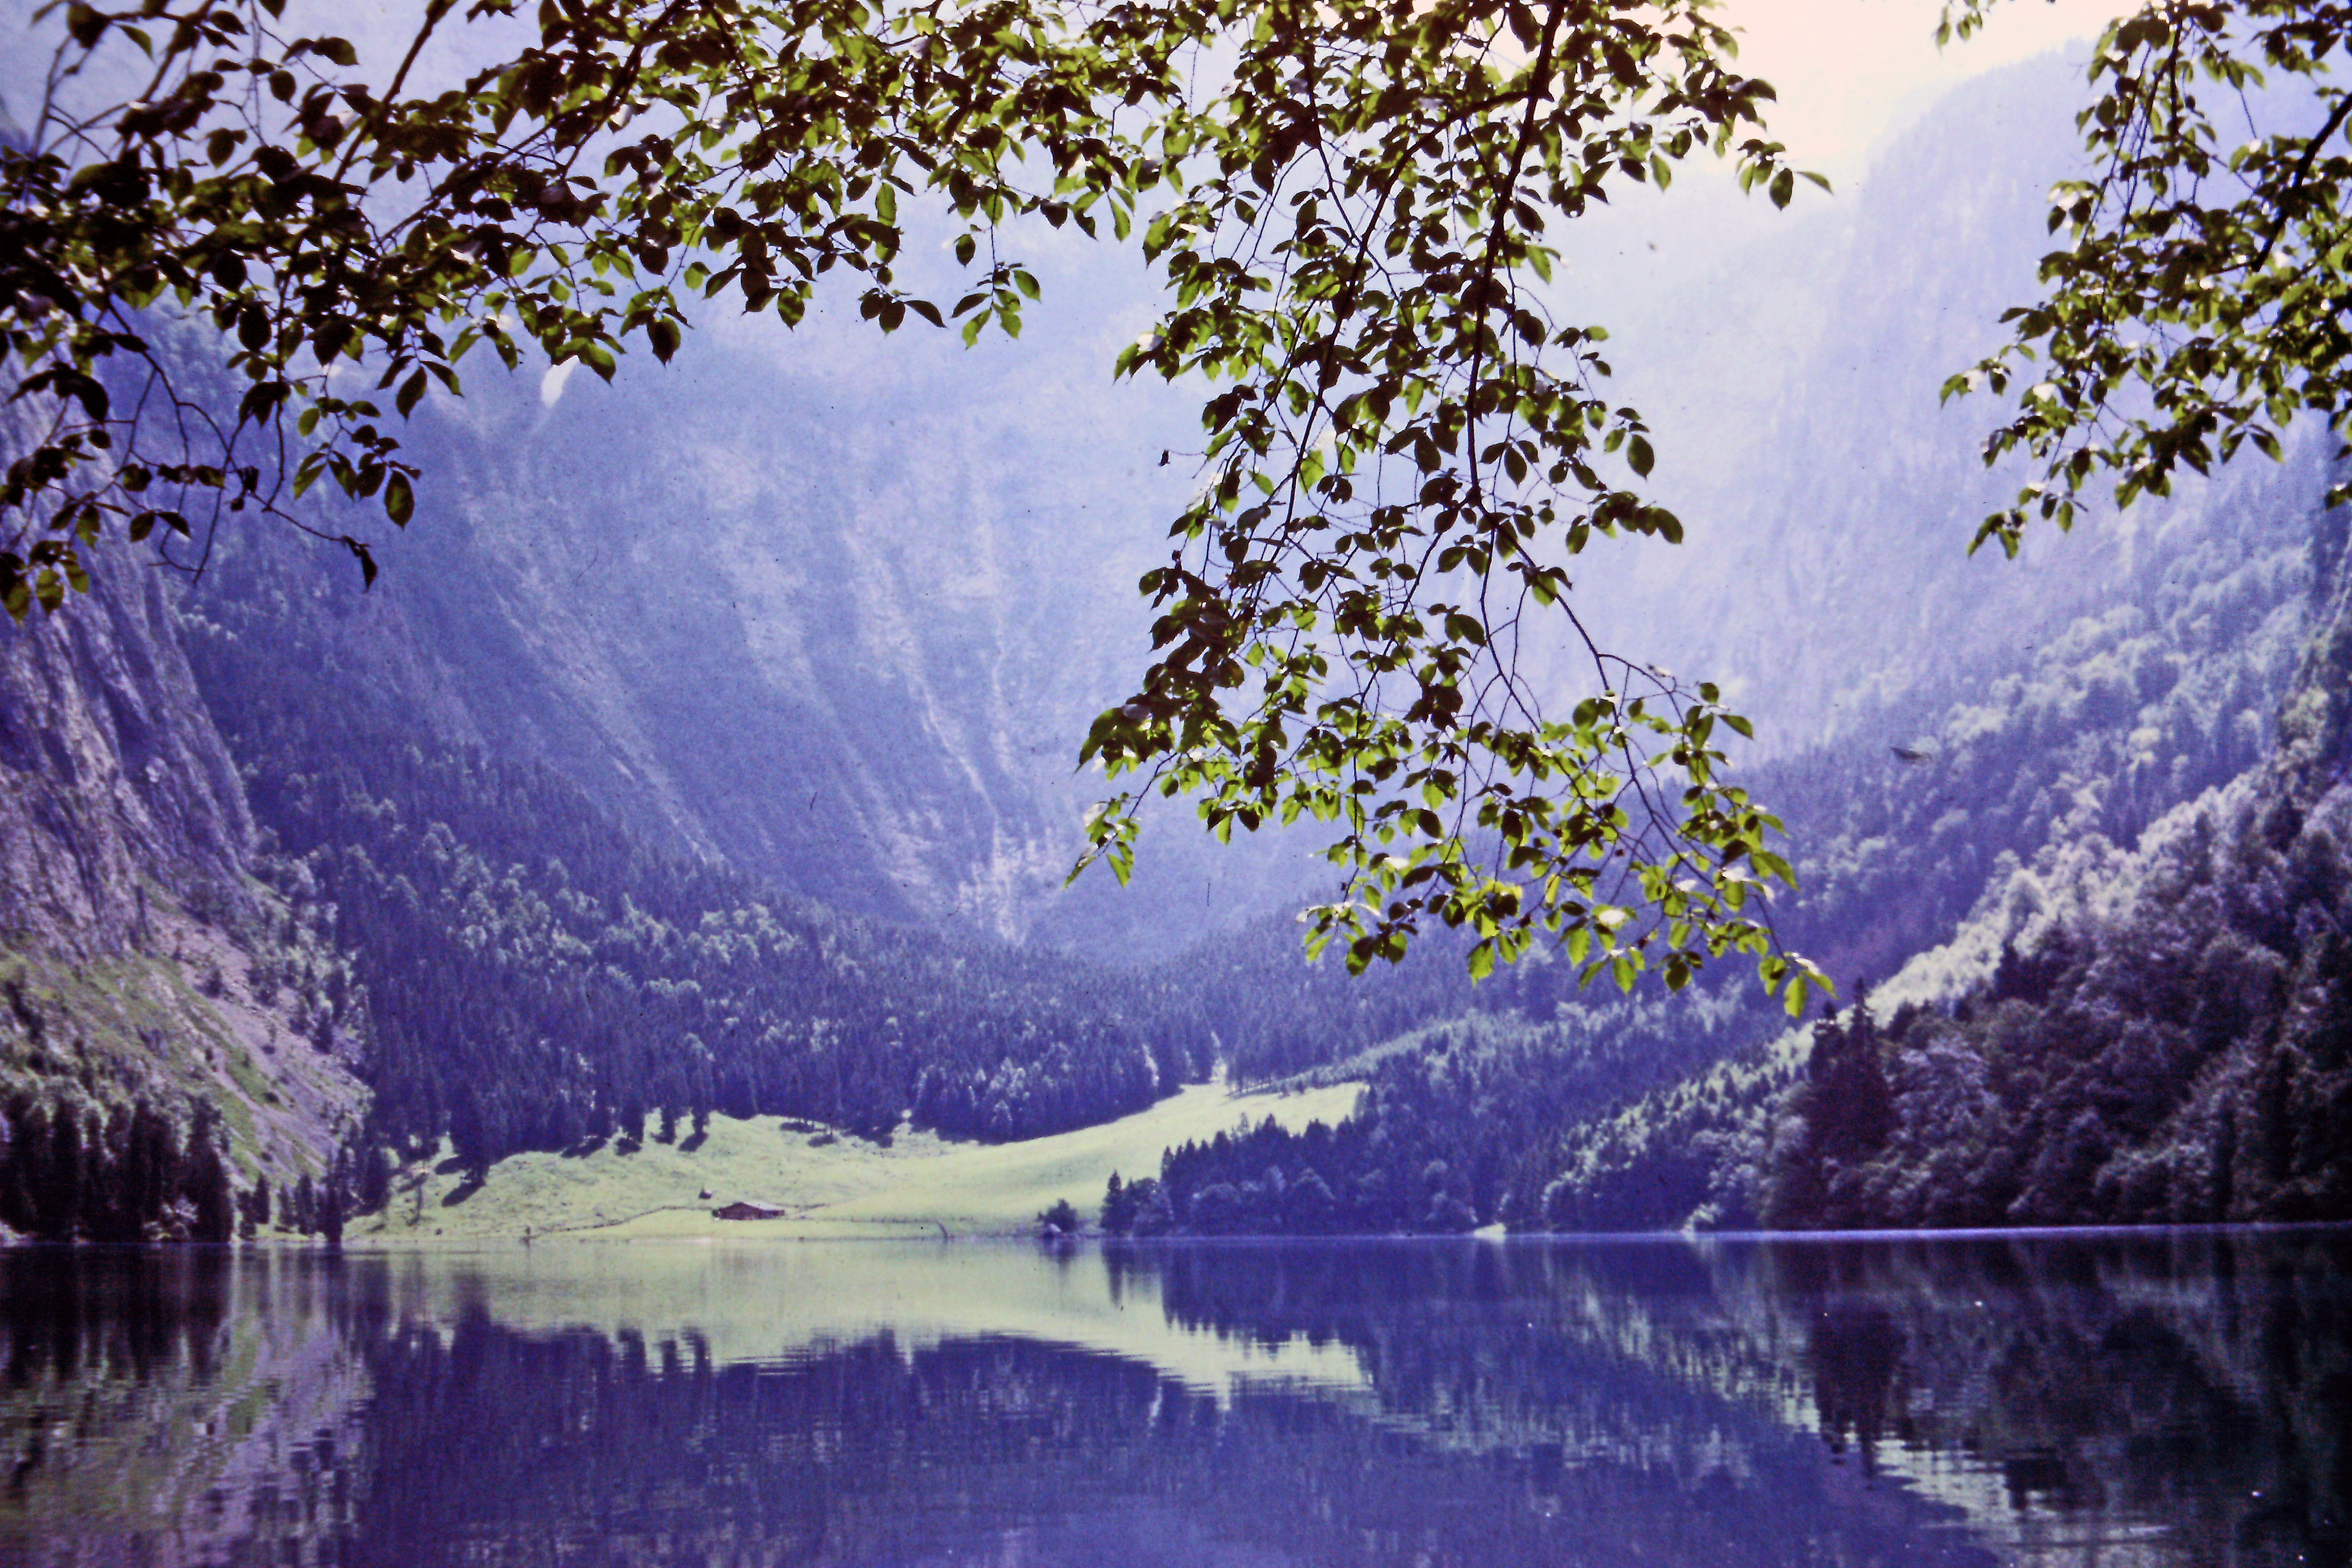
pixel 743 1208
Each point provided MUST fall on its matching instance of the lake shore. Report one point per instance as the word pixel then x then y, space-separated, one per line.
pixel 825 1185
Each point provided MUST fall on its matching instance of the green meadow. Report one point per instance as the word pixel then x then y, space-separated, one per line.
pixel 827 1184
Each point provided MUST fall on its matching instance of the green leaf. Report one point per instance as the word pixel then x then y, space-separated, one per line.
pixel 367 562
pixel 399 504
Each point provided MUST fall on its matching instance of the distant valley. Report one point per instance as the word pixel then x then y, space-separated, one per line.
pixel 704 758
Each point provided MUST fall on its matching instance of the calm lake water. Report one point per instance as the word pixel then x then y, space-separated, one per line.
pixel 2166 1399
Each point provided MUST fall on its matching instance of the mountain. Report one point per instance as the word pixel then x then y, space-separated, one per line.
pixel 116 779
pixel 704 748
pixel 833 612
pixel 1941 733
pixel 2109 914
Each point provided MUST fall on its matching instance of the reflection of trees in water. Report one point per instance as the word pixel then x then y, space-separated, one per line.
pixel 1854 1352
pixel 175 1404
pixel 67 1312
pixel 2201 1381
pixel 1616 1403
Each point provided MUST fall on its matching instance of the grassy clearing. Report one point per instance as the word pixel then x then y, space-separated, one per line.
pixel 921 1186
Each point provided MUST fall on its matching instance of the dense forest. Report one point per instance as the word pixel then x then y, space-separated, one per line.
pixel 129 1176
pixel 534 976
pixel 2160 1033
pixel 2187 1058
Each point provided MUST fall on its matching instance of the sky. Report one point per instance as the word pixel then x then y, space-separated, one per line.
pixel 1852 72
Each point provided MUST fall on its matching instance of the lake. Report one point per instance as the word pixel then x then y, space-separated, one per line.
pixel 2121 1400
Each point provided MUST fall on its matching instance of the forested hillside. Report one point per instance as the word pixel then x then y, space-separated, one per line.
pixel 2115 720
pixel 2173 1044
pixel 2118 1033
pixel 2089 695
pixel 531 974
pixel 146 1086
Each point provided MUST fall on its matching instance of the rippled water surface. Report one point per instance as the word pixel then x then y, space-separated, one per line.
pixel 2157 1400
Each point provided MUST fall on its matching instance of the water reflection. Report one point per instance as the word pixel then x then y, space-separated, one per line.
pixel 2181 1399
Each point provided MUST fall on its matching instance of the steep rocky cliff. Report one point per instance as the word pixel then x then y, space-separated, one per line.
pixel 114 786
pixel 836 612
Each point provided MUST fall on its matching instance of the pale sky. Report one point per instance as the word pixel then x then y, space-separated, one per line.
pixel 1850 72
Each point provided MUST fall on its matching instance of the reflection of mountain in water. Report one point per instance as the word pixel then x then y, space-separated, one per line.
pixel 2175 1402
pixel 871 1454
pixel 2184 1397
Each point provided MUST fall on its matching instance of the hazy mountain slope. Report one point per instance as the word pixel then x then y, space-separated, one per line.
pixel 837 609
pixel 834 610
pixel 2168 1035
pixel 1830 493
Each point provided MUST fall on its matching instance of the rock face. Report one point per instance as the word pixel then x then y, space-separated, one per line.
pixel 135 942
pixel 839 622
pixel 113 783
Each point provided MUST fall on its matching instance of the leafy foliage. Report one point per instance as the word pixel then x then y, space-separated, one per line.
pixel 1410 447
pixel 1404 449
pixel 2197 305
